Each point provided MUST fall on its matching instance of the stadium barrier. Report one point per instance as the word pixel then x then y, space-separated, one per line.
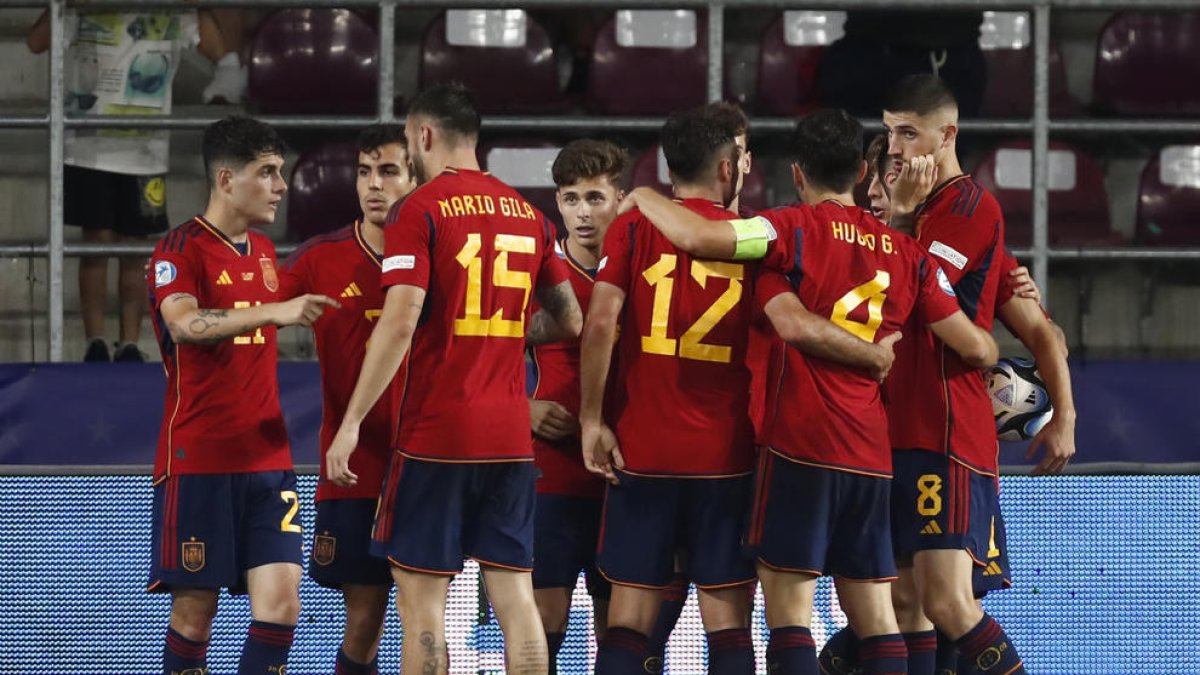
pixel 1040 124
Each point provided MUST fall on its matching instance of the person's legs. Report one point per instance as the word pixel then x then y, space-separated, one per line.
pixel 789 598
pixel 274 609
pixel 192 613
pixel 93 290
pixel 511 594
pixel 554 609
pixel 421 600
pixel 631 614
pixel 726 616
pixel 366 610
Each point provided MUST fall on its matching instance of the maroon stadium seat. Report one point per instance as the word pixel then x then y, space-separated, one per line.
pixel 1148 63
pixel 650 169
pixel 634 71
pixel 1078 201
pixel 314 61
pixel 788 56
pixel 525 165
pixel 503 56
pixel 1005 40
pixel 1169 198
pixel 322 195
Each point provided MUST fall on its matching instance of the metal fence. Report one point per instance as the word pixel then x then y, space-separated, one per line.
pixel 1040 124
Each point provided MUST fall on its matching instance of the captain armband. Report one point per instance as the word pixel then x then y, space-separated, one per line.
pixel 753 236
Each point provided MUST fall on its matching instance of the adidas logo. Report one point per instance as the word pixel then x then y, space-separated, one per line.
pixel 931 528
pixel 224 279
pixel 352 291
pixel 992 569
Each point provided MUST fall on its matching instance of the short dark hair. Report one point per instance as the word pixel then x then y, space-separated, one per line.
pixel 376 136
pixel 589 158
pixel 828 148
pixel 691 138
pixel 922 93
pixel 878 160
pixel 236 141
pixel 451 107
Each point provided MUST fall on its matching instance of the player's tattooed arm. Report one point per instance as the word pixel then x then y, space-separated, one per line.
pixel 560 317
pixel 817 336
pixel 189 323
pixel 684 228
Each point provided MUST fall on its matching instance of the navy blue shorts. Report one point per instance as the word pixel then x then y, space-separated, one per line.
pixel 208 529
pixel 566 531
pixel 647 520
pixel 938 503
pixel 995 575
pixel 432 515
pixel 341 550
pixel 812 520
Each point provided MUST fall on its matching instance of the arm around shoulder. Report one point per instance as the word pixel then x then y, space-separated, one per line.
pixel 975 345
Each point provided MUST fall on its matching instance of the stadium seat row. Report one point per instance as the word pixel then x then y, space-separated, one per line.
pixel 323 197
pixel 651 62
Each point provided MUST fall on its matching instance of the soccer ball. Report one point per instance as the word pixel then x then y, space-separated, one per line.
pixel 1019 399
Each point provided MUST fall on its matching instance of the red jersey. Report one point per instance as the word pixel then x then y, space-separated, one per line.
pixel 222 410
pixel 868 279
pixel 478 249
pixel 342 265
pixel 556 366
pixel 681 392
pixel 938 402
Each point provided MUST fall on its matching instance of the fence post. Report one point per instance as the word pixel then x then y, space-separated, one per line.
pixel 1041 147
pixel 387 60
pixel 55 237
pixel 716 55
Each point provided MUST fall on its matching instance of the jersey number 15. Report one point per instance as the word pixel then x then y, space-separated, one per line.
pixel 474 323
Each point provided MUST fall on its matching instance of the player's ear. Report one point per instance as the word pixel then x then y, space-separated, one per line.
pixel 798 177
pixel 949 136
pixel 726 171
pixel 224 178
pixel 862 172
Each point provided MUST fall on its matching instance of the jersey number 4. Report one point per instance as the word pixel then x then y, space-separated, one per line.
pixel 690 345
pixel 474 323
pixel 871 293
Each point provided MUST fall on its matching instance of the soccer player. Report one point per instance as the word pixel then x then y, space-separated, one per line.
pixel 347 264
pixel 680 395
pixel 945 503
pixel 1019 308
pixel 569 498
pixel 225 504
pixel 825 448
pixel 462 255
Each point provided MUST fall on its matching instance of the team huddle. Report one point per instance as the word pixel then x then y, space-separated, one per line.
pixel 713 397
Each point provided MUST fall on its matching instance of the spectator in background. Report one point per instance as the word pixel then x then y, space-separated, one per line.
pixel 119 63
pixel 881 47
pixel 224 33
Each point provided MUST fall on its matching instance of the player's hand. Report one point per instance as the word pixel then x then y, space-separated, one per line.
pixel 917 178
pixel 1057 438
pixel 887 356
pixel 1022 284
pixel 303 310
pixel 601 454
pixel 337 457
pixel 630 201
pixel 551 421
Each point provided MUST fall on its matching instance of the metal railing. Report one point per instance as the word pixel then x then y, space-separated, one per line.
pixel 1039 124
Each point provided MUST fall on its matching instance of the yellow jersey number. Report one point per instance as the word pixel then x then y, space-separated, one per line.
pixel 871 293
pixel 256 338
pixel 470 257
pixel 691 344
